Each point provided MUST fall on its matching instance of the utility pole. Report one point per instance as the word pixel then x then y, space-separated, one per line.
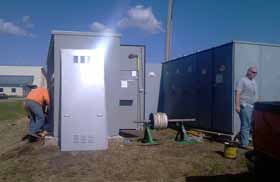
pixel 168 30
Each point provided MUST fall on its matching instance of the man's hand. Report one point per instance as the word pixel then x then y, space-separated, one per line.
pixel 237 109
pixel 237 101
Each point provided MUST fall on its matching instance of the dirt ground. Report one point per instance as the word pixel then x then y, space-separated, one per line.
pixel 122 162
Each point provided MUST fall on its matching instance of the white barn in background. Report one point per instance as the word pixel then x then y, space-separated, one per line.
pixel 14 78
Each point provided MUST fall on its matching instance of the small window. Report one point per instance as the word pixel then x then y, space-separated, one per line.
pixel 14 90
pixel 83 59
pixel 88 59
pixel 1 89
pixel 126 102
pixel 76 59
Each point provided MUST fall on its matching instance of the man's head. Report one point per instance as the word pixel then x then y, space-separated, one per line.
pixel 252 72
pixel 32 86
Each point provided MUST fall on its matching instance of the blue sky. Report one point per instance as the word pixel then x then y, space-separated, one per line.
pixel 25 26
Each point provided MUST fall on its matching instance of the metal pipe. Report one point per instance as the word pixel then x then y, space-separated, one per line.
pixel 212 132
pixel 181 120
pixel 138 66
pixel 168 30
pixel 169 120
pixel 138 90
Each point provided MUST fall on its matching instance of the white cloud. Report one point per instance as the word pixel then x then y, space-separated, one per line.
pixel 141 17
pixel 27 22
pixel 11 28
pixel 99 27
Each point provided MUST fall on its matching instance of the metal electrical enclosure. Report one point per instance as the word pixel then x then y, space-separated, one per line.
pixel 83 113
pixel 120 80
pixel 131 100
pixel 202 85
pixel 152 85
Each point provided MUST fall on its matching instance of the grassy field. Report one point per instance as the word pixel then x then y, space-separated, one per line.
pixel 122 162
pixel 13 123
pixel 11 110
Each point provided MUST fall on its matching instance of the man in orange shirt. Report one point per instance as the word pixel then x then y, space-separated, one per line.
pixel 35 100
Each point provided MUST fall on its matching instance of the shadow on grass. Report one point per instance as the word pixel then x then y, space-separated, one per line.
pixel 129 133
pixel 246 177
pixel 220 153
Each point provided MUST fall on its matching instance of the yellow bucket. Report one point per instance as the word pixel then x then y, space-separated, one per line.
pixel 230 150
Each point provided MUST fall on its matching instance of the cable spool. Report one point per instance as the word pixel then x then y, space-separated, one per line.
pixel 158 120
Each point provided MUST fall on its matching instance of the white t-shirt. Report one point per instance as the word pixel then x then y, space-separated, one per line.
pixel 248 90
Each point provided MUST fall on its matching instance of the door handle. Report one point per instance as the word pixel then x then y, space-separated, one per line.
pixel 67 116
pixel 99 115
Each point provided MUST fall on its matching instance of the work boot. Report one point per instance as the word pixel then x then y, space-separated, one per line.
pixel 24 137
pixel 42 134
pixel 33 138
pixel 246 147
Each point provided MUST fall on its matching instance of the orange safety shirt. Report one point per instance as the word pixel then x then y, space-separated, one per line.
pixel 39 95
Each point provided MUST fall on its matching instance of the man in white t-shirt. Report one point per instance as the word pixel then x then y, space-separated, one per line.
pixel 245 96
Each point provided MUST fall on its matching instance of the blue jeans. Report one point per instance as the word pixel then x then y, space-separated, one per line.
pixel 36 116
pixel 245 118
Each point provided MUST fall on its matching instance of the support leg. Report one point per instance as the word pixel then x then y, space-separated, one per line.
pixel 148 138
